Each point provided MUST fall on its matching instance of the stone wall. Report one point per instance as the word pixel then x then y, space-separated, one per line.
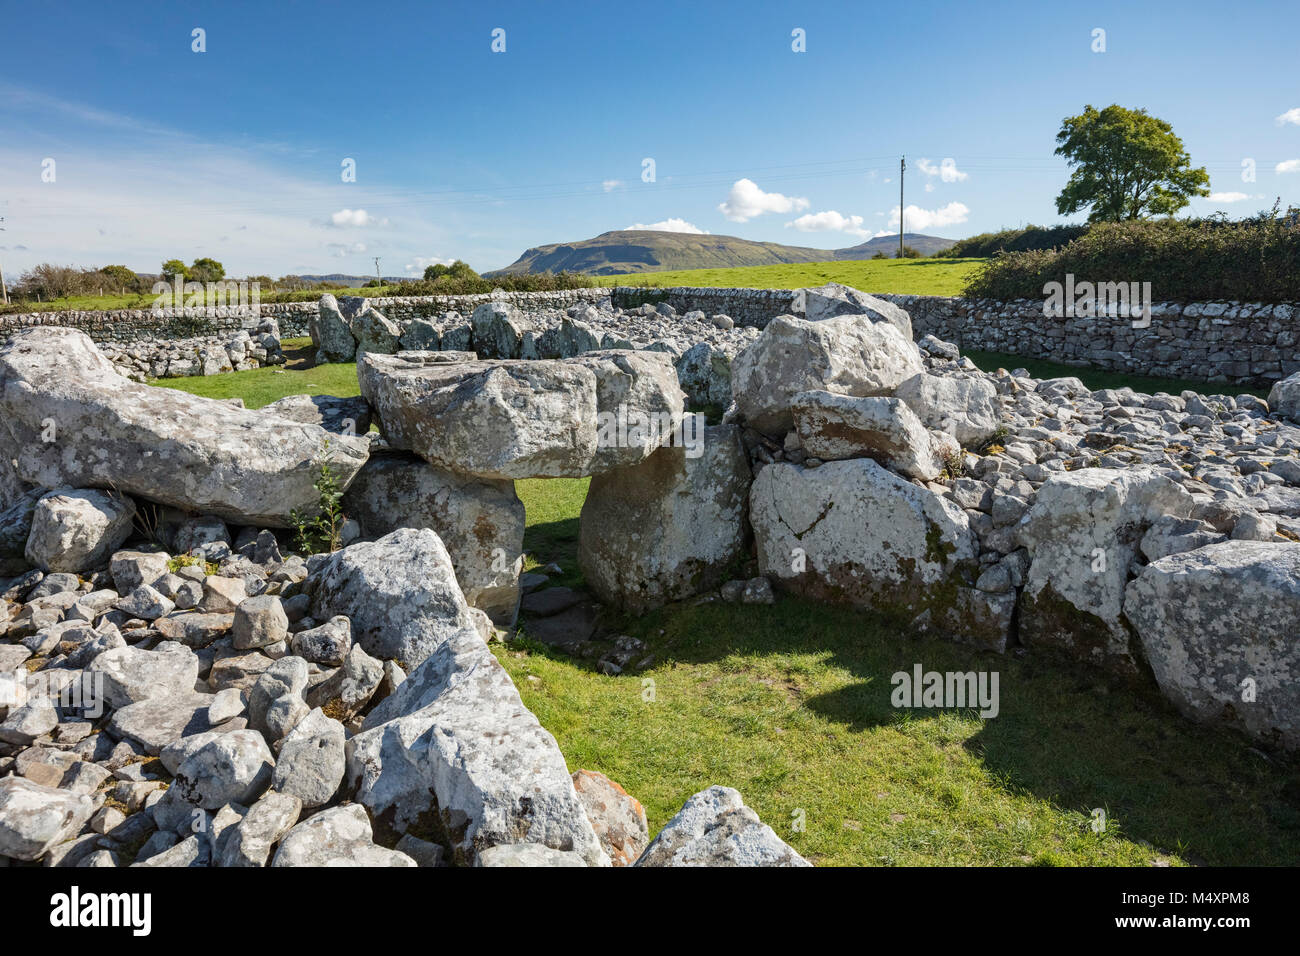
pixel 1228 342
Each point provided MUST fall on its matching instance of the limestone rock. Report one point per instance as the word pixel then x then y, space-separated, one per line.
pixel 76 531
pixel 1216 626
pixel 833 427
pixel 454 748
pixel 848 355
pixel 618 819
pixel 340 836
pixel 399 592
pixel 964 406
pixel 480 522
pixel 670 527
pixel 834 299
pixel 34 818
pixel 201 455
pixel 715 828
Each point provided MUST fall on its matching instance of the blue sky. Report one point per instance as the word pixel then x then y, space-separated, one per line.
pixel 461 152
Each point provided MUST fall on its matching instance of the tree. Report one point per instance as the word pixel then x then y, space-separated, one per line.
pixel 1128 165
pixel 207 270
pixel 120 278
pixel 434 271
pixel 174 267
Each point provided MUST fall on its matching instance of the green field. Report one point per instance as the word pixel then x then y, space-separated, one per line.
pixel 790 705
pixel 898 276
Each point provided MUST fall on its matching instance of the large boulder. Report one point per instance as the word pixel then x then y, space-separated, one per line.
pixel 1284 397
pixel 834 427
pixel 34 818
pixel 1216 626
pixel 852 532
pixel 480 521
pixel 342 416
pixel 670 527
pixel 715 828
pixel 834 299
pixel 374 332
pixel 331 333
pixel 847 354
pixel 1083 533
pixel 339 836
pixel 76 422
pixel 499 330
pixel 964 406
pixel 399 592
pixel 704 373
pixel 77 531
pixel 525 419
pixel 454 751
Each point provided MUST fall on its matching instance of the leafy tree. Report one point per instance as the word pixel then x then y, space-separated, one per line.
pixel 207 270
pixel 909 253
pixel 120 277
pixel 173 267
pixel 1128 165
pixel 434 271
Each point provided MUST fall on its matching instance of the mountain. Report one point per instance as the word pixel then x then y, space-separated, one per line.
pixel 641 250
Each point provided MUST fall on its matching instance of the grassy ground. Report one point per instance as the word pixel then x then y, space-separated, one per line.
pixel 132 300
pixel 790 704
pixel 900 276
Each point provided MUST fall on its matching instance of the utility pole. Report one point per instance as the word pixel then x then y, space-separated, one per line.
pixel 902 165
pixel 377 275
pixel 4 289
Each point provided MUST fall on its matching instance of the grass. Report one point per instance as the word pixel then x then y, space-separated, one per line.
pixel 899 276
pixel 790 704
pixel 144 300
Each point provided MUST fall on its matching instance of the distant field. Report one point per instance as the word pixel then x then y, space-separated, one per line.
pixel 899 276
pixel 97 303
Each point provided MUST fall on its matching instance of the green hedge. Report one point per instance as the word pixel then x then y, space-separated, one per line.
pixel 1250 260
pixel 988 244
pixel 474 284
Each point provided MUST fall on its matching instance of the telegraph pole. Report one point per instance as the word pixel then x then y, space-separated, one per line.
pixel 4 289
pixel 377 276
pixel 902 165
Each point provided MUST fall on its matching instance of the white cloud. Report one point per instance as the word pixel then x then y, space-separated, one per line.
pixel 946 170
pixel 746 200
pixel 670 225
pixel 611 184
pixel 1290 116
pixel 420 263
pixel 829 221
pixel 340 250
pixel 350 217
pixel 917 219
pixel 1288 166
pixel 929 187
pixel 1228 197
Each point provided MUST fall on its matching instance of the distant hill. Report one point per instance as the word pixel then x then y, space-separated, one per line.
pixel 641 250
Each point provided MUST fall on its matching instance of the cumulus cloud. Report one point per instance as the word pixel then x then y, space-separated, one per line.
pixel 350 217
pixel 669 225
pixel 1228 197
pixel 946 170
pixel 746 200
pixel 829 221
pixel 1288 166
pixel 340 250
pixel 1290 116
pixel 611 184
pixel 916 219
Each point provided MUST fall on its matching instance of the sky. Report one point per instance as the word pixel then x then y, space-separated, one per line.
pixel 120 143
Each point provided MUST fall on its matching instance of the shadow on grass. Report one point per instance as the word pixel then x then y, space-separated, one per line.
pixel 1063 733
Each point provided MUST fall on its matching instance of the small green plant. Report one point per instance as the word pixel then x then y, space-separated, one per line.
pixel 320 532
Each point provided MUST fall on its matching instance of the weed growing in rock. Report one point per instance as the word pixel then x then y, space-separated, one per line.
pixel 320 532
